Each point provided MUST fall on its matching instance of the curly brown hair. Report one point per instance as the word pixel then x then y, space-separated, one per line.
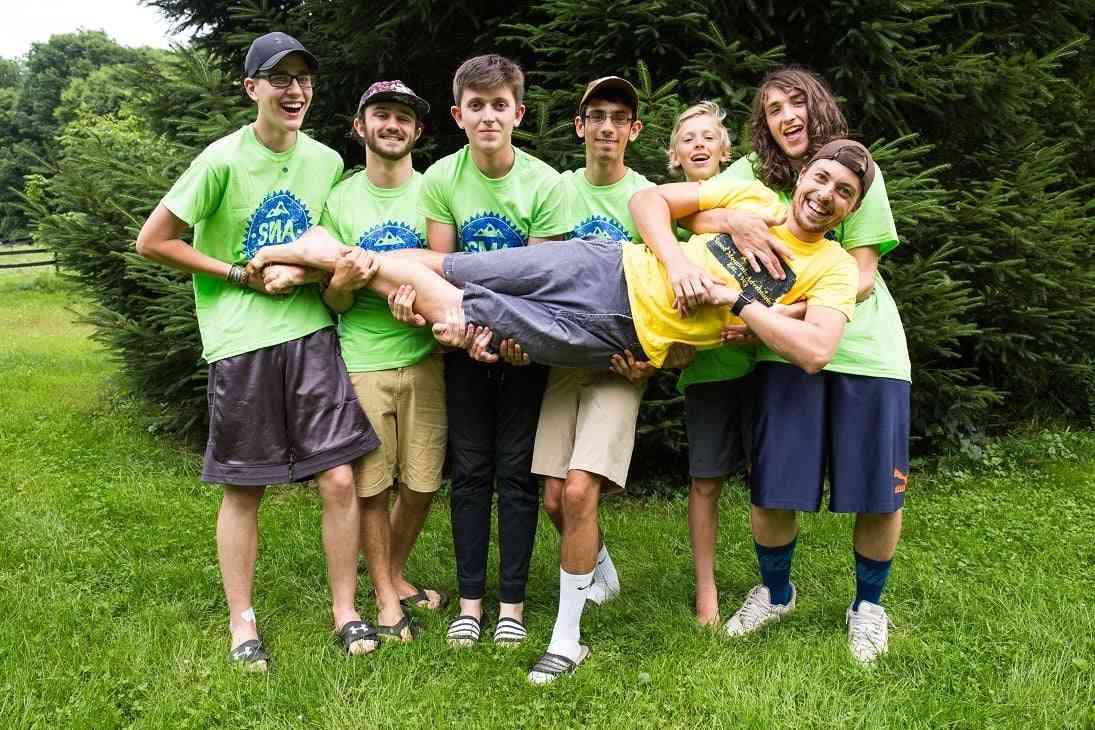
pixel 825 122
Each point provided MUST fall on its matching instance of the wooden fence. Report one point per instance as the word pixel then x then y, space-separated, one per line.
pixel 51 261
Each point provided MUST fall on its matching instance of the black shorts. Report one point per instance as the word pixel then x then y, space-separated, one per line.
pixel 718 417
pixel 283 414
pixel 852 428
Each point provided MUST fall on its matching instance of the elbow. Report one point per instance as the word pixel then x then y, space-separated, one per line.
pixel 814 362
pixel 143 247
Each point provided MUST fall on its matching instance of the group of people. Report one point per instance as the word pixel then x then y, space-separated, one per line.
pixel 360 329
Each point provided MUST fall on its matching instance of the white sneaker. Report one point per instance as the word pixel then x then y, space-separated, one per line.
pixel 758 610
pixel 601 592
pixel 868 631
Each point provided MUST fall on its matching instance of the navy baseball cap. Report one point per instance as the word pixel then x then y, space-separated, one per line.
pixel 266 51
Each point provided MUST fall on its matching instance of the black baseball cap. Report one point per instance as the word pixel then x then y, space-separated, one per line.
pixel 266 51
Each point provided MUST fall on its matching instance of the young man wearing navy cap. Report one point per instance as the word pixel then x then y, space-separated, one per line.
pixel 395 367
pixel 281 405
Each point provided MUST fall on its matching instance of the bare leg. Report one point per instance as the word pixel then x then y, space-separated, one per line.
pixel 553 501
pixel 773 527
pixel 581 533
pixel 876 535
pixel 376 533
pixel 703 528
pixel 408 516
pixel 435 296
pixel 237 550
pixel 341 524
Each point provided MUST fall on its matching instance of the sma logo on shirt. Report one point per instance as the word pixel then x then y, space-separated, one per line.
pixel 601 228
pixel 489 232
pixel 280 218
pixel 391 236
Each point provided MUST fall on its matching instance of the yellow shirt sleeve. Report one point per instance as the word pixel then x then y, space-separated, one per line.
pixel 751 197
pixel 836 287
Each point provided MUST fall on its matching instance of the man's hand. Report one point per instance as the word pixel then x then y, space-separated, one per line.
pixel 479 347
pixel 512 353
pixel 740 334
pixel 690 285
pixel 634 371
pixel 354 269
pixel 756 242
pixel 401 304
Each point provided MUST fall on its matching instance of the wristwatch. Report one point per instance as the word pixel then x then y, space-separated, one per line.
pixel 743 300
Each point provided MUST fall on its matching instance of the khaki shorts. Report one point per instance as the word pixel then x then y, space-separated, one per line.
pixel 587 422
pixel 407 408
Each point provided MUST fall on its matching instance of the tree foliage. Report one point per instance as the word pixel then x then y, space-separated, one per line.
pixel 978 112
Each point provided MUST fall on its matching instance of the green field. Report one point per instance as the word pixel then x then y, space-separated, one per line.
pixel 112 613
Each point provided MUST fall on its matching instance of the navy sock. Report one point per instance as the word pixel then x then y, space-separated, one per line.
pixel 870 579
pixel 775 569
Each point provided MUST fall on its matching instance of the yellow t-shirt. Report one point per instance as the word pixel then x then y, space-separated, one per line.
pixel 826 275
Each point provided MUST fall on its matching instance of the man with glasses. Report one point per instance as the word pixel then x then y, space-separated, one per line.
pixel 281 405
pixel 587 421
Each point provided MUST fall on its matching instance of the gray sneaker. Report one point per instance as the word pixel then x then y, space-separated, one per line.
pixel 758 610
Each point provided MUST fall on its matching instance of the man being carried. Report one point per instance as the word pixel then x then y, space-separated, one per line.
pixel 600 298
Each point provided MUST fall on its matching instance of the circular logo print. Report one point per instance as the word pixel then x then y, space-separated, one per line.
pixel 280 218
pixel 489 232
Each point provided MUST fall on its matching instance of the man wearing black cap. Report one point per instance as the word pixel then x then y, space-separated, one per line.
pixel 395 367
pixel 281 406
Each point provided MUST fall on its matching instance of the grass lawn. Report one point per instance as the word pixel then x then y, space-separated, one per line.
pixel 111 612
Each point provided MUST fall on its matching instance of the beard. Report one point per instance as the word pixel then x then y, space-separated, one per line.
pixel 373 144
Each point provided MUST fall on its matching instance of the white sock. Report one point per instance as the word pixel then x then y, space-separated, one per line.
pixel 572 599
pixel 605 572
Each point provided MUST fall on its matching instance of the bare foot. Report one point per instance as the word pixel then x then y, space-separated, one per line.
pixel 707 608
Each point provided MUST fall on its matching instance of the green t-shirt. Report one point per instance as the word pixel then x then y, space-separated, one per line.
pixel 239 196
pixel 359 213
pixel 491 214
pixel 874 341
pixel 600 211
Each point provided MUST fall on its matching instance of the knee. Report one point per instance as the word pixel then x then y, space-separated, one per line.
pixel 375 503
pixel 764 520
pixel 707 488
pixel 336 487
pixel 580 497
pixel 553 497
pixel 242 499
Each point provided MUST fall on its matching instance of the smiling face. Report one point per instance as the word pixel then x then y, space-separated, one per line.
pixel 826 193
pixel 786 114
pixel 699 149
pixel 389 129
pixel 488 117
pixel 281 110
pixel 605 142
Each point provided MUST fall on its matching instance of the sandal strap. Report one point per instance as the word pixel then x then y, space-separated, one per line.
pixel 465 627
pixel 355 631
pixel 396 629
pixel 249 652
pixel 509 630
pixel 554 664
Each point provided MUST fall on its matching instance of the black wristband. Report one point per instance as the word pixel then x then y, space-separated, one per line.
pixel 741 303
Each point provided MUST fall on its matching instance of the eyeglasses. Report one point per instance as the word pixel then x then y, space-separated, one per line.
pixel 284 81
pixel 599 116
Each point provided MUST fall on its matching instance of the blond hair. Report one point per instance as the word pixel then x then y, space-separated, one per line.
pixel 704 107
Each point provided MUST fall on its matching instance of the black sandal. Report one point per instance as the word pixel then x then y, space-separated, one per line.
pixel 248 655
pixel 354 633
pixel 550 666
pixel 396 631
pixel 422 600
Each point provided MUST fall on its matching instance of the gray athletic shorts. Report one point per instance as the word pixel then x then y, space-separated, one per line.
pixel 565 302
pixel 283 414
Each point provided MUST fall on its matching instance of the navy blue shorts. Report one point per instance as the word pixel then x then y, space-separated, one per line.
pixel 852 428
